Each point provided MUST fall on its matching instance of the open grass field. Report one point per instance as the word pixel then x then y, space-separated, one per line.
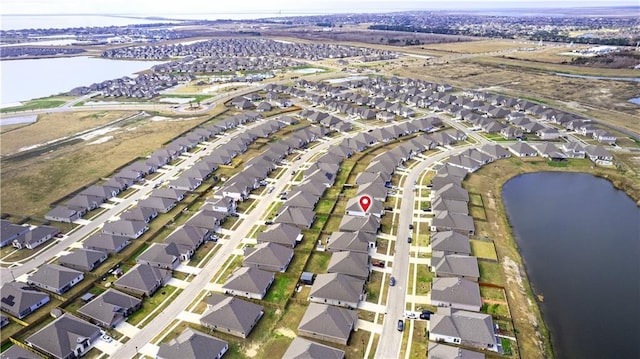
pixel 28 187
pixel 54 126
pixel 481 46
pixel 603 100
pixel 37 104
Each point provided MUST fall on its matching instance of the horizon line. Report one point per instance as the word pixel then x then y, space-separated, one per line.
pixel 325 12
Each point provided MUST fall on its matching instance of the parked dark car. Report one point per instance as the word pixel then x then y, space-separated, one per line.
pixel 426 314
pixel 379 264
pixel 409 240
pixel 392 281
pixel 411 226
pixel 400 325
pixel 388 208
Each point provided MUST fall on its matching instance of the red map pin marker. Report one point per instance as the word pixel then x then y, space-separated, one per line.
pixel 365 202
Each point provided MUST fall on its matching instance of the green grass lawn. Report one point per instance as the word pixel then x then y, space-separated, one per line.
pixel 34 105
pixel 491 272
pixel 373 287
pixel 229 266
pixel 318 263
pixel 324 206
pixel 483 249
pixel 492 293
pixel 159 299
pixel 424 280
pixel 281 289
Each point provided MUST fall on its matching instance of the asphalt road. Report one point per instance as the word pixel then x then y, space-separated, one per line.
pixel 390 347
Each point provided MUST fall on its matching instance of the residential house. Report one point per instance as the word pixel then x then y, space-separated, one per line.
pixel 442 351
pixel 188 239
pixel 106 242
pixel 55 278
pixel 511 133
pixel 281 233
pixel 457 293
pixel 138 213
pixel 548 133
pixel 495 151
pixel 61 214
pixel 301 348
pixel 452 191
pixel 249 282
pixel 449 242
pixel 268 256
pixel 35 237
pixel 161 255
pixel 604 136
pixel 450 205
pixel 20 300
pixel 328 323
pixel 461 327
pixel 522 149
pixel 161 205
pixel 10 231
pixel 110 308
pixel 143 279
pixel 231 315
pixel 299 217
pixel 355 209
pixel 358 241
pixel 85 260
pixel 65 338
pixel 351 263
pixel 455 265
pixel 125 228
pixel 573 150
pixel 599 154
pixel 18 352
pixel 337 289
pixel 192 344
pixel 367 224
pixel 225 205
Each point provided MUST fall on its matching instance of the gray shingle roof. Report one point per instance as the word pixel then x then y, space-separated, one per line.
pixel 328 320
pixel 337 286
pixel 109 306
pixel 449 241
pixel 82 258
pixel 302 348
pixel 468 326
pixel 143 277
pixel 16 297
pixel 442 351
pixel 54 275
pixel 268 254
pixel 60 337
pixel 251 280
pixel 456 290
pixel 231 312
pixel 351 263
pixel 458 265
pixel 192 344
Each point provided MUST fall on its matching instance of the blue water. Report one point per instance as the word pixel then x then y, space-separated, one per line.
pixel 580 241
pixel 634 79
pixel 34 78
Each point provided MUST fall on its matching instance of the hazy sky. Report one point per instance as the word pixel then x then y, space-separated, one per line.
pixel 151 7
